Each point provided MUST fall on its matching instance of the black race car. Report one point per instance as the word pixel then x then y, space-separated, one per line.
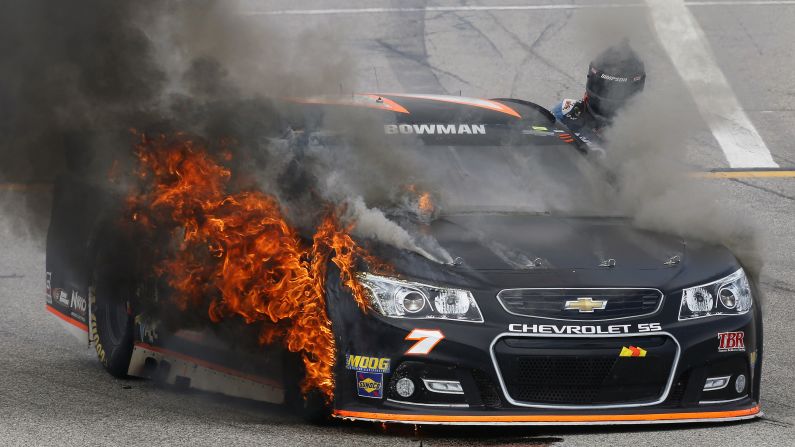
pixel 538 311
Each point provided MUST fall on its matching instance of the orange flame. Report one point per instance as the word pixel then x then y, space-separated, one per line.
pixel 238 249
pixel 425 203
pixel 422 201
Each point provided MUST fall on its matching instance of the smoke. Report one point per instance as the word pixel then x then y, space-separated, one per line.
pixel 650 142
pixel 67 69
pixel 74 74
pixel 373 223
pixel 76 77
pixel 368 176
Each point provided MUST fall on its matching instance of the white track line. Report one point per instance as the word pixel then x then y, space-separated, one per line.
pixel 440 9
pixel 683 39
pixel 472 8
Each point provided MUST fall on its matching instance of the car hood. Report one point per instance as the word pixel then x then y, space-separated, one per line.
pixel 528 242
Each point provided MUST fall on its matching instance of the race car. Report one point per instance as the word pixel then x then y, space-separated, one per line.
pixel 546 311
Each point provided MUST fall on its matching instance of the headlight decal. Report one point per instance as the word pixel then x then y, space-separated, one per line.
pixel 397 298
pixel 727 296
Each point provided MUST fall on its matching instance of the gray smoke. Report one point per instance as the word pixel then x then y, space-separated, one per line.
pixel 651 143
pixel 67 68
pixel 75 77
pixel 81 74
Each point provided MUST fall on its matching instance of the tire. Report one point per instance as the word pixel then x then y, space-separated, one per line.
pixel 112 327
pixel 311 408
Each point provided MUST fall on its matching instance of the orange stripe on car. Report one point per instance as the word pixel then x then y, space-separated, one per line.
pixel 387 103
pixel 562 418
pixel 369 101
pixel 78 324
pixel 474 102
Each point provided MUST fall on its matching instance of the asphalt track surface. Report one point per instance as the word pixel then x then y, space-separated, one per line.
pixel 53 391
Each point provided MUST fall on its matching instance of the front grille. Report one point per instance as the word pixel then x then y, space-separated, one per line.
pixel 585 371
pixel 551 303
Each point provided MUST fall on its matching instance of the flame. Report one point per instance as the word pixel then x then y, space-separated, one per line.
pixel 420 201
pixel 425 203
pixel 238 249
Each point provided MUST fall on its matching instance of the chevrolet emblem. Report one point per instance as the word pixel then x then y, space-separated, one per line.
pixel 585 304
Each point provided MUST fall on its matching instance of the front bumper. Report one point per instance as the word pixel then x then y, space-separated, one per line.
pixel 683 355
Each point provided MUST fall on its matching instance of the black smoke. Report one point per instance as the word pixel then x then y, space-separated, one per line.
pixel 69 68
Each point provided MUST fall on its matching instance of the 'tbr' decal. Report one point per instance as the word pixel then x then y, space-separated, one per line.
pixel 427 339
pixel 731 341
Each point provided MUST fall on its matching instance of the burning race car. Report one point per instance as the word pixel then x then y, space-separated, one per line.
pixel 525 304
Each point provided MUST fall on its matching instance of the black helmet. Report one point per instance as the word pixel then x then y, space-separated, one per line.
pixel 613 77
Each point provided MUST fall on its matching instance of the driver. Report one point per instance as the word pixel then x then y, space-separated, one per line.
pixel 613 77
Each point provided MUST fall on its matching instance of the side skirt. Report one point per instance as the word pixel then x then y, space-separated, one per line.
pixel 77 328
pixel 178 369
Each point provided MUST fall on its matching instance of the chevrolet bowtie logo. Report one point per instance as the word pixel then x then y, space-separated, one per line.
pixel 585 304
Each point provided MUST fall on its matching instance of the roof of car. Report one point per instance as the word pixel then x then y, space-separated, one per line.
pixel 447 119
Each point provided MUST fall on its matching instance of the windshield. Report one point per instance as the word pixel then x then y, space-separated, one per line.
pixel 541 178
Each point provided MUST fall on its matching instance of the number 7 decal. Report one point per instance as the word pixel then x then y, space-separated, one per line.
pixel 426 340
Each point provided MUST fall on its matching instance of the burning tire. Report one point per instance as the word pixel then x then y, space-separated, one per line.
pixel 111 298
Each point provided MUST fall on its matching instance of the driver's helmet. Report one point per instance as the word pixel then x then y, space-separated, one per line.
pixel 613 77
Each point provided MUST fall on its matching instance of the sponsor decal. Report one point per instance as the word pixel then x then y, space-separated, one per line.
pixel 94 338
pixel 60 296
pixel 632 351
pixel 567 138
pixel 612 78
pixel 539 131
pixel 731 341
pixel 78 307
pixel 48 288
pixel 435 129
pixel 427 339
pixel 585 304
pixel 584 329
pixel 370 384
pixel 367 364
pixel 78 303
pixel 567 106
